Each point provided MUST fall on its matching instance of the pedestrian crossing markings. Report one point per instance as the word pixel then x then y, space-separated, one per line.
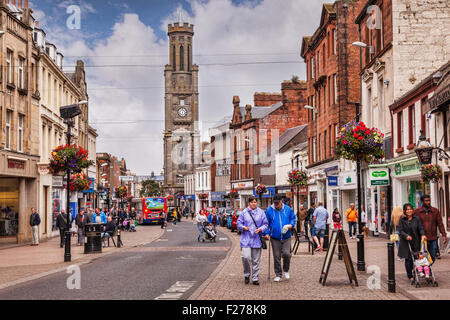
pixel 176 291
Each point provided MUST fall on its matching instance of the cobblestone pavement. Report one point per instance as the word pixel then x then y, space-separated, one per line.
pixel 228 282
pixel 25 262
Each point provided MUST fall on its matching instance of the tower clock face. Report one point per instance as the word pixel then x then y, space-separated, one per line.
pixel 182 112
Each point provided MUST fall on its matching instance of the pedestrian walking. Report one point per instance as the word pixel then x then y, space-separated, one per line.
pixel 201 219
pixel 175 216
pixel 411 233
pixel 302 214
pixel 90 214
pixel 281 219
pixel 81 220
pixel 320 218
pixel 309 220
pixel 432 221
pixel 352 216
pixel 162 218
pixel 99 217
pixel 253 224
pixel 337 219
pixel 35 221
pixel 395 219
pixel 213 219
pixel 63 226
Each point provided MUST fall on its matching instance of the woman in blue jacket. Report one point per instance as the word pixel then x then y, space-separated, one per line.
pixel 281 220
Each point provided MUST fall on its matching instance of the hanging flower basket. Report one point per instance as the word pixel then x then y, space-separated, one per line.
pixel 79 182
pixel 121 192
pixel 233 194
pixel 431 173
pixel 297 177
pixel 260 189
pixel 357 142
pixel 203 196
pixel 73 158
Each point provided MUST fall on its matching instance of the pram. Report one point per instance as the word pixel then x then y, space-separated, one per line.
pixel 432 279
pixel 210 234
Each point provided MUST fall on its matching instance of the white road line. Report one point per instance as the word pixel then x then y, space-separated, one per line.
pixel 176 291
pixel 223 239
pixel 169 230
pixel 162 240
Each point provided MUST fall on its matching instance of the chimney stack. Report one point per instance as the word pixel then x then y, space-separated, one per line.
pixel 20 4
pixel 36 24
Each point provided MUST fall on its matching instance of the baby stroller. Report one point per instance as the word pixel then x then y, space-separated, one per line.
pixel 210 234
pixel 416 274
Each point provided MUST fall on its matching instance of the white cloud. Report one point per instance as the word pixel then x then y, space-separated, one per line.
pixel 253 29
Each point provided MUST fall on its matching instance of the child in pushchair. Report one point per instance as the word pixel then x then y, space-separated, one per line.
pixel 209 231
pixel 422 267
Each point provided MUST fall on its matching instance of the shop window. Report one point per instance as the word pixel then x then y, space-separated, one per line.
pixel 9 207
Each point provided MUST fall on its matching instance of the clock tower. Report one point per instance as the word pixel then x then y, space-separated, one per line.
pixel 181 134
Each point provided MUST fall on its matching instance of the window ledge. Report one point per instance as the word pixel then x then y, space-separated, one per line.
pixel 411 146
pixel 400 150
pixel 23 91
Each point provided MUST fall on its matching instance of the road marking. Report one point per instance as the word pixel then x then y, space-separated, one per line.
pixel 176 291
pixel 169 230
pixel 162 240
pixel 223 239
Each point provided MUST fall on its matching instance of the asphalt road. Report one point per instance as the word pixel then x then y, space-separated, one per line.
pixel 171 268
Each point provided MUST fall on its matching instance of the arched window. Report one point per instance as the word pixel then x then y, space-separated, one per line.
pixel 189 58
pixel 174 58
pixel 181 58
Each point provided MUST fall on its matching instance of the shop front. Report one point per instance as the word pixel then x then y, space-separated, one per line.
pixel 347 186
pixel 218 199
pixel 189 201
pixel 287 193
pixel 18 194
pixel 266 198
pixel 407 184
pixel 378 199
pixel 245 191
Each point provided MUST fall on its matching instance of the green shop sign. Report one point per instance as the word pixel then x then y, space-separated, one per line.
pixel 379 177
pixel 407 168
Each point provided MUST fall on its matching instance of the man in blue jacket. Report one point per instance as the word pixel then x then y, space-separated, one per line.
pixel 281 220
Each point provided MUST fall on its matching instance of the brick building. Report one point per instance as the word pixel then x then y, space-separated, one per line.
pixel 254 133
pixel 333 85
pixel 405 45
pixel 19 123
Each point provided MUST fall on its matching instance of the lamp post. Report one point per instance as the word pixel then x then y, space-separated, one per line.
pixel 68 113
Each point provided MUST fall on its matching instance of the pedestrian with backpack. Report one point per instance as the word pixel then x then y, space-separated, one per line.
pixel 35 221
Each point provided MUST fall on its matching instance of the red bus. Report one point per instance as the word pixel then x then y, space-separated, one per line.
pixel 152 208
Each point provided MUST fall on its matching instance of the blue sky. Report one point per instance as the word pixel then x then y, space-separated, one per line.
pixel 116 33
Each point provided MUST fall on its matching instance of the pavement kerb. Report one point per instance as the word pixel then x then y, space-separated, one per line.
pixel 78 262
pixel 215 273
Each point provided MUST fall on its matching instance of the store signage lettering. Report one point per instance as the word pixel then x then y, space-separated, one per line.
pixel 407 168
pixel 241 185
pixel 15 164
pixel 379 177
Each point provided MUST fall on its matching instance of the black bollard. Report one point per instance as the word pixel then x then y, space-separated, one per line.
pixel 119 242
pixel 67 255
pixel 361 262
pixel 391 267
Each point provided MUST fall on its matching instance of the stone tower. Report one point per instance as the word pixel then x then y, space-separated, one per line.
pixel 181 135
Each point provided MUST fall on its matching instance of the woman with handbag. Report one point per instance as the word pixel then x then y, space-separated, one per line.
pixel 253 224
pixel 411 234
pixel 395 219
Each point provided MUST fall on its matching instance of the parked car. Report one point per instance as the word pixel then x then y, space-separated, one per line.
pixel 222 213
pixel 226 216
pixel 234 219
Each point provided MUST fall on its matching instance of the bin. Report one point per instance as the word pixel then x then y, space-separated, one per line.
pixel 94 238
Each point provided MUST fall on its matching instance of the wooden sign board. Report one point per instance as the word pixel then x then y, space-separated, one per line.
pixel 338 239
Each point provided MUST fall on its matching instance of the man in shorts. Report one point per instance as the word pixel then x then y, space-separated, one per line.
pixel 320 219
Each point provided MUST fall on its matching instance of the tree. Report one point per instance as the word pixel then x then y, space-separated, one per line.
pixel 151 188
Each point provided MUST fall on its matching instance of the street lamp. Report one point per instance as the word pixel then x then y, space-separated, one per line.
pixel 363 45
pixel 68 113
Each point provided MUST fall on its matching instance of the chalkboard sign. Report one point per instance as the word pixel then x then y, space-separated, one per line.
pixel 338 238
